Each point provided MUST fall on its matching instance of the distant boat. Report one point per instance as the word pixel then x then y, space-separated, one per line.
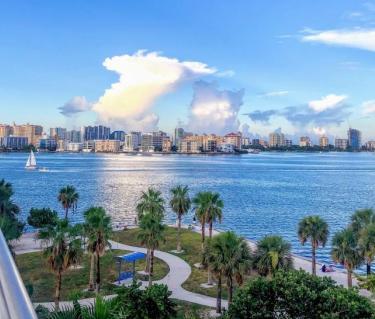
pixel 43 169
pixel 31 161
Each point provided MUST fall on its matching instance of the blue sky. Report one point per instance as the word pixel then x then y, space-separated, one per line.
pixel 286 56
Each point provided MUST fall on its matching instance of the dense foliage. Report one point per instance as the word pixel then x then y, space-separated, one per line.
pixel 297 294
pixel 42 217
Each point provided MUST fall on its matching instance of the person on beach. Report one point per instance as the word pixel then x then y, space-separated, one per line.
pixel 324 268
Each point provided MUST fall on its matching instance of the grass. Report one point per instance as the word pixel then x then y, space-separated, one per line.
pixel 191 310
pixel 191 244
pixel 34 270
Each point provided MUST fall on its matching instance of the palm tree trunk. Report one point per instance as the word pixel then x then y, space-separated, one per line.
pixel 210 230
pixel 218 298
pixel 209 280
pixel 147 268
pixel 203 231
pixel 368 267
pixel 230 291
pixel 92 270
pixel 66 212
pixel 57 290
pixel 97 273
pixel 313 264
pixel 350 279
pixel 151 268
pixel 179 233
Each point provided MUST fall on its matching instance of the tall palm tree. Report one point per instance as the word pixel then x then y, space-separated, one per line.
pixel 345 251
pixel 180 204
pixel 151 202
pixel 227 255
pixel 63 250
pixel 98 230
pixel 366 244
pixel 361 219
pixel 201 202
pixel 314 229
pixel 151 234
pixel 273 253
pixel 68 197
pixel 214 211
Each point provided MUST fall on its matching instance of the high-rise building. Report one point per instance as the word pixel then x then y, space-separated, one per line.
pixel 5 130
pixel 47 144
pixel 146 143
pixel 118 136
pixel 167 144
pixel 323 141
pixel 74 136
pixel 14 142
pixel 99 132
pixel 157 140
pixel 370 145
pixel 110 146
pixel 179 134
pixel 341 143
pixel 276 139
pixel 58 133
pixel 32 132
pixel 133 141
pixel 234 139
pixel 354 139
pixel 304 141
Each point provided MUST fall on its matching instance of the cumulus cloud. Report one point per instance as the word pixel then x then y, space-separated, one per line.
pixel 368 107
pixel 355 38
pixel 213 110
pixel 330 101
pixel 143 78
pixel 275 93
pixel 319 131
pixel 75 105
pixel 329 110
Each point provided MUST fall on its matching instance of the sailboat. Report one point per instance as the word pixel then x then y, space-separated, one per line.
pixel 31 161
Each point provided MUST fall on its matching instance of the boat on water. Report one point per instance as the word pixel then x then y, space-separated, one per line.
pixel 31 161
pixel 43 169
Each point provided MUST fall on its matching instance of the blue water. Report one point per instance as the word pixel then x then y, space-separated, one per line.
pixel 263 194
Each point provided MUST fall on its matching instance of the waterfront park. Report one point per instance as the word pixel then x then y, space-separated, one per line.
pixel 100 269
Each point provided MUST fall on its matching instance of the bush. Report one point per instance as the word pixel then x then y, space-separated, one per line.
pixel 297 294
pixel 40 218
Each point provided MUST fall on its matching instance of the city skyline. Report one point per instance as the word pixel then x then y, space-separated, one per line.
pixel 296 66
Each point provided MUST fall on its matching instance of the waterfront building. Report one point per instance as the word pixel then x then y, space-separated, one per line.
pixel 323 141
pixel 32 132
pixel 146 143
pixel 354 139
pixel 5 130
pixel 245 141
pixel 179 134
pixel 58 133
pixel 62 145
pixel 189 146
pixel 167 144
pixel 75 147
pixel 157 140
pixel 341 143
pixel 226 148
pixel 210 143
pixel 117 135
pixel 74 136
pixel 98 132
pixel 234 139
pixel 305 141
pixel 88 146
pixel 288 143
pixel 276 139
pixel 370 145
pixel 108 146
pixel 133 141
pixel 47 144
pixel 14 142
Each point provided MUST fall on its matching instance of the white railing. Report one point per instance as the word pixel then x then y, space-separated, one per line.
pixel 14 300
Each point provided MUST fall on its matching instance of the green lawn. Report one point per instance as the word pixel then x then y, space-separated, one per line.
pixel 191 244
pixel 34 270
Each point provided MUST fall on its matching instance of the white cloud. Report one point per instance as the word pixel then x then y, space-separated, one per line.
pixel 75 105
pixel 143 78
pixel 226 74
pixel 356 38
pixel 368 107
pixel 330 101
pixel 319 131
pixel 213 110
pixel 275 93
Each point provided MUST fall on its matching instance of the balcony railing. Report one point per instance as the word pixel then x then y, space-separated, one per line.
pixel 14 299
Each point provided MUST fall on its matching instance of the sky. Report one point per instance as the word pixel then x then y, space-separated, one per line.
pixel 307 67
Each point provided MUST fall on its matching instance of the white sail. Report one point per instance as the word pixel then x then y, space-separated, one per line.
pixel 31 161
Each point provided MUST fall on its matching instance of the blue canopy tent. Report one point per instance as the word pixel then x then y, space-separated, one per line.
pixel 128 258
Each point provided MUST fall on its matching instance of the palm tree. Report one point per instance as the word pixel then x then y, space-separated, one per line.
pixel 180 204
pixel 315 229
pixel 361 219
pixel 98 230
pixel 150 202
pixel 345 251
pixel 68 197
pixel 63 250
pixel 151 234
pixel 201 202
pixel 228 256
pixel 272 254
pixel 214 211
pixel 366 243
